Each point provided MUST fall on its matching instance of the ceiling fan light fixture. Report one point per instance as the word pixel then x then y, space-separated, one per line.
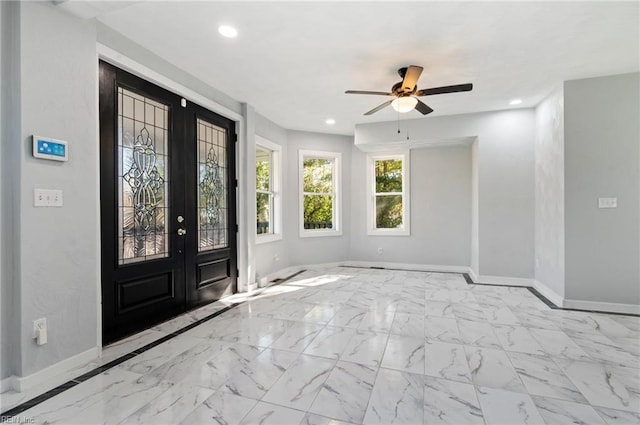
pixel 404 104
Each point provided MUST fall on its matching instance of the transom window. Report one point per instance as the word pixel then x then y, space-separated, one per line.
pixel 319 193
pixel 388 194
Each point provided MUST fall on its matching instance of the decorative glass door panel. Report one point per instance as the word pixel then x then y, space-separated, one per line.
pixel 143 178
pixel 213 228
pixel 167 211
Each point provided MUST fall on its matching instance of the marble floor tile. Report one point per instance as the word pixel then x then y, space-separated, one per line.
pixel 577 321
pixel 339 345
pixel 330 342
pixel 479 334
pixel 259 375
pixel 346 392
pixel 214 371
pixel 171 407
pixel 562 412
pixel 501 407
pixel 270 414
pixel 157 356
pixel 517 338
pixel 605 385
pixel 602 349
pixel 492 369
pixel 439 308
pixel 500 315
pixel 301 383
pixel 297 337
pixel 397 398
pixel 348 317
pixel 378 320
pixel 442 329
pixel 313 419
pixel 618 417
pixel 406 324
pixel 446 361
pixel 542 377
pixel 448 402
pixel 220 408
pixel 404 353
pixel 558 344
pixel 365 347
pixel 87 395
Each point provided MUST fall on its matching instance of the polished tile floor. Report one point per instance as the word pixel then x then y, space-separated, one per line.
pixel 365 346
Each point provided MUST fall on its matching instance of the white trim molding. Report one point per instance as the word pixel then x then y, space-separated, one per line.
pixel 56 372
pixel 504 280
pixel 603 307
pixel 405 228
pixel 406 266
pixel 336 158
pixel 548 293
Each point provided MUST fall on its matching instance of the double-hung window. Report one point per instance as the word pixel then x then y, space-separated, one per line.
pixel 319 193
pixel 268 200
pixel 388 194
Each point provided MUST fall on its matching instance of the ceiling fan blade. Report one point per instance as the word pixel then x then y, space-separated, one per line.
pixel 445 89
pixel 381 93
pixel 411 78
pixel 423 108
pixel 377 108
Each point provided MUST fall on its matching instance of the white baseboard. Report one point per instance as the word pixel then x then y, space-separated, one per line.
pixel 406 266
pixel 22 383
pixel 549 293
pixel 472 274
pixel 602 306
pixel 5 384
pixel 504 280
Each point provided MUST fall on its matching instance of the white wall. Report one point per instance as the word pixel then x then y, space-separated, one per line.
pixel 549 191
pixel 59 251
pixel 315 249
pixel 505 179
pixel 602 160
pixel 440 195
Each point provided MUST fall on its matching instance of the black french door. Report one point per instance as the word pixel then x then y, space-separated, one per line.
pixel 168 207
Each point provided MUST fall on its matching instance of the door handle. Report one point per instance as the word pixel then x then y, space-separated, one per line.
pixel 182 232
pixel 180 219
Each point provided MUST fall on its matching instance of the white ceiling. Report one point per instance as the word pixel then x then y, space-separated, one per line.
pixel 293 60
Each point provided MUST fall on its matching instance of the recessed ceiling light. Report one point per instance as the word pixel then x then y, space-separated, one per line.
pixel 330 121
pixel 228 31
pixel 515 102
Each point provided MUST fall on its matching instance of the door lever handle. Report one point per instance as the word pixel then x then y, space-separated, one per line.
pixel 182 232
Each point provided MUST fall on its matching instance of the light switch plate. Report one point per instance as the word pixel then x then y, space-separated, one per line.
pixel 47 198
pixel 607 202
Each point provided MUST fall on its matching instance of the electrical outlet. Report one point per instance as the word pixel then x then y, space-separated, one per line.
pixel 276 257
pixel 40 331
pixel 380 251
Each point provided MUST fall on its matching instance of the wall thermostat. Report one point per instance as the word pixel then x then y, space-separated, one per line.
pixel 46 148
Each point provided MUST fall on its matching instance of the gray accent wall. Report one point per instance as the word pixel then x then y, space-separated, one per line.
pixel 315 249
pixel 505 179
pixel 59 250
pixel 602 143
pixel 549 192
pixel 440 194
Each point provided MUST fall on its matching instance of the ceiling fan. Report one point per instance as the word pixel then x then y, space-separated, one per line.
pixel 406 92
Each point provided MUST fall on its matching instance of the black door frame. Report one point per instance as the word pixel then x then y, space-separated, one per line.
pixel 184 293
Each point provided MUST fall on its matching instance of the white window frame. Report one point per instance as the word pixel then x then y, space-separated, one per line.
pixel 405 230
pixel 276 190
pixel 337 193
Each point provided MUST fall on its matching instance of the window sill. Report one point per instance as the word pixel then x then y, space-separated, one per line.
pixel 388 232
pixel 261 239
pixel 319 233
